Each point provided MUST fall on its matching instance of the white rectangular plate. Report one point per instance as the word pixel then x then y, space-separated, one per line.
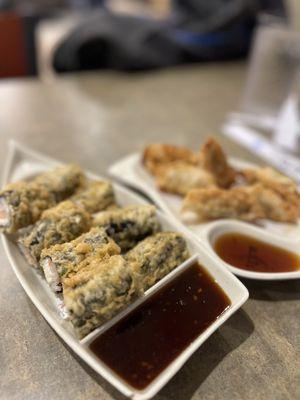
pixel 130 170
pixel 24 163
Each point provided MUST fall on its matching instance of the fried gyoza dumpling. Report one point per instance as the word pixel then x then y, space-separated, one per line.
pixel 157 154
pixel 180 178
pixel 213 160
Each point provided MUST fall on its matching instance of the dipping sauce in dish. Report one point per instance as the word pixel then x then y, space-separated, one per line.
pixel 148 339
pixel 245 252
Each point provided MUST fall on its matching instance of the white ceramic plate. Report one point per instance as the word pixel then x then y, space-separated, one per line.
pixel 130 171
pixel 24 163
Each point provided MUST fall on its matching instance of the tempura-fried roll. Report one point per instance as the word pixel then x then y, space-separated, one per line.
pixel 22 203
pixel 59 224
pixel 157 154
pixel 213 160
pixel 127 226
pixel 62 181
pixel 98 292
pixel 96 196
pixel 178 178
pixel 63 260
pixel 156 256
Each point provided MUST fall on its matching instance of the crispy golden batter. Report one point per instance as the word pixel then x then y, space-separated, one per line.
pixel 90 269
pixel 179 178
pixel 21 203
pixel 58 224
pixel 64 260
pixel 213 160
pixel 215 203
pixel 156 256
pixel 62 181
pixel 101 289
pixel 95 196
pixel 269 177
pixel 128 225
pixel 247 203
pixel 157 154
pixel 274 181
pixel 277 207
pixel 98 292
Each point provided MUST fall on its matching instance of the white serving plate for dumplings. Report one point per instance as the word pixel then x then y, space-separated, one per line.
pixel 131 171
pixel 23 163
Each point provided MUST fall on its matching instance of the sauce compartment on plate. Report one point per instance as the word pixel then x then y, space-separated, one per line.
pixel 157 331
pixel 23 163
pixel 245 252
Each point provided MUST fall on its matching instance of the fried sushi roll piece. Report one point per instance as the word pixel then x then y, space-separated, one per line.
pixel 22 203
pixel 178 178
pixel 213 160
pixel 62 181
pixel 96 196
pixel 127 226
pixel 157 154
pixel 63 260
pixel 59 224
pixel 156 256
pixel 98 292
pixel 248 203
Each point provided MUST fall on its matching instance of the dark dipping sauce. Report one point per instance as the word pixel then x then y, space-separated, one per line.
pixel 148 339
pixel 244 252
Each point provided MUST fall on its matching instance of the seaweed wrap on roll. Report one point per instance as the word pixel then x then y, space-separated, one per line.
pixel 64 260
pixel 22 203
pixel 98 292
pixel 156 256
pixel 127 226
pixel 95 196
pixel 59 224
pixel 62 181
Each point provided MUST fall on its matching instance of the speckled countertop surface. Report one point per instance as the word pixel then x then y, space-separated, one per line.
pixel 95 119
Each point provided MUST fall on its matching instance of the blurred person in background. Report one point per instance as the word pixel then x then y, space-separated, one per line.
pixel 131 34
pixel 186 31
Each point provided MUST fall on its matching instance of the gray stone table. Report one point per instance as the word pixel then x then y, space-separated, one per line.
pixel 94 119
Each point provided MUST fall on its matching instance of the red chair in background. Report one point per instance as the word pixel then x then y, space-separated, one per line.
pixel 13 52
